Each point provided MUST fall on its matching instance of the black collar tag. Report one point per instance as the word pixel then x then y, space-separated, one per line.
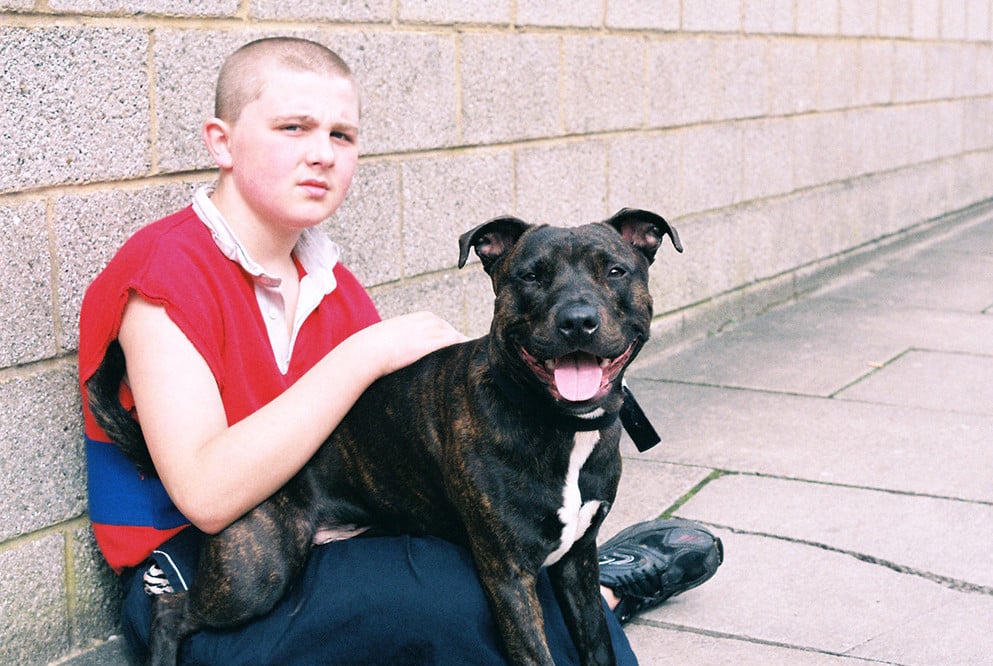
pixel 636 422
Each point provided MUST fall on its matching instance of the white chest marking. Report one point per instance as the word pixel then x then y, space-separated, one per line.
pixel 574 514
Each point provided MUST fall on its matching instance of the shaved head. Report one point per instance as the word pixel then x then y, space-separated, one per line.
pixel 243 74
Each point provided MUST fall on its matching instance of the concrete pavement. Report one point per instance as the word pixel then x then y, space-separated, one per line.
pixel 842 447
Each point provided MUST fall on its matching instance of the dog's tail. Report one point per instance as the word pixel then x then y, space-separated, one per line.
pixel 103 390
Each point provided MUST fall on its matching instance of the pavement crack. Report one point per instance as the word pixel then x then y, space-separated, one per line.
pixel 710 633
pixel 946 581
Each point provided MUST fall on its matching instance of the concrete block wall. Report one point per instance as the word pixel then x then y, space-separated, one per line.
pixel 779 136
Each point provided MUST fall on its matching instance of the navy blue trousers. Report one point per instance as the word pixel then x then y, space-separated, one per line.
pixel 401 600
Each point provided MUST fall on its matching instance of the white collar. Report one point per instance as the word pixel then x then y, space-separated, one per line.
pixel 317 253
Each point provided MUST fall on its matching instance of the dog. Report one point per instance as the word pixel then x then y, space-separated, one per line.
pixel 535 403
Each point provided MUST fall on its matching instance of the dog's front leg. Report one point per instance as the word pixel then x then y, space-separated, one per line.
pixel 516 609
pixel 575 579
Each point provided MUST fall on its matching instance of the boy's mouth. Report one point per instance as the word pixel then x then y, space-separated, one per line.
pixel 317 188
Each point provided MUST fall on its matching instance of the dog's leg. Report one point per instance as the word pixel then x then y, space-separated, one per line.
pixel 167 632
pixel 242 572
pixel 516 610
pixel 576 583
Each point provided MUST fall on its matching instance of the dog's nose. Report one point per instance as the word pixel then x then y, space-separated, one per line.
pixel 578 321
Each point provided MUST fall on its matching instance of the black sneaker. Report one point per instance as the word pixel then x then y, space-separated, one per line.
pixel 647 563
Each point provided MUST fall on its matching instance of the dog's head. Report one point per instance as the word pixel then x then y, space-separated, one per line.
pixel 572 305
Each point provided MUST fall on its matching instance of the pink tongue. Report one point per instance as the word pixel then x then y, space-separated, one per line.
pixel 578 377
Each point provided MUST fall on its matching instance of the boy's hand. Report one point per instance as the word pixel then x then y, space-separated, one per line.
pixel 399 341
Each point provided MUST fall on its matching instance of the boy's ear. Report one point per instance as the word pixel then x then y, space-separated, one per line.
pixel 491 239
pixel 216 136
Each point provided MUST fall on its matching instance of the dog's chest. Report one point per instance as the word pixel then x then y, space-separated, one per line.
pixel 575 515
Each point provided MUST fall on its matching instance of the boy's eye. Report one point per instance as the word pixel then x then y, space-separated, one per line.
pixel 343 136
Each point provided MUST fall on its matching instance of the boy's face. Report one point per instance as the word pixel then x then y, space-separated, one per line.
pixel 292 152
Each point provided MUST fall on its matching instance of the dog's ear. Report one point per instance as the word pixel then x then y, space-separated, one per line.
pixel 491 239
pixel 644 230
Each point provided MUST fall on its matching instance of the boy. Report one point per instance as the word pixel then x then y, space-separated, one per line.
pixel 245 343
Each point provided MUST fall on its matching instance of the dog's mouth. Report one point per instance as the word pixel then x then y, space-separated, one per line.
pixel 579 376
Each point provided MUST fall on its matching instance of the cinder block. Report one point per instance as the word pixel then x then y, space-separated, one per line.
pixel 560 13
pixel 16 4
pixel 577 175
pixel 742 76
pixel 89 228
pixel 186 63
pixel 26 270
pixel 977 26
pixel 837 74
pixel 967 75
pixel 875 72
pixel 817 149
pixel 643 14
pixel 942 70
pixel 711 167
pixel 982 82
pixel 454 11
pixel 792 76
pixel 645 173
pixel 372 11
pixel 895 18
pixel 478 300
pixel 441 293
pixel 816 17
pixel 367 226
pixel 978 126
pixel 858 18
pixel 954 19
pixel 445 196
pixel 909 72
pixel 34 630
pixel 405 106
pixel 682 81
pixel 41 436
pixel 768 16
pixel 767 154
pixel 711 16
pixel 604 86
pixel 949 127
pixel 95 592
pixel 131 7
pixel 925 16
pixel 510 87
pixel 78 98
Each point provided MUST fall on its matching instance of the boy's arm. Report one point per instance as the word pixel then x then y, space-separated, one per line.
pixel 215 473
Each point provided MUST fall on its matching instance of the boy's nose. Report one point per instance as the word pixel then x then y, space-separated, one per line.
pixel 322 151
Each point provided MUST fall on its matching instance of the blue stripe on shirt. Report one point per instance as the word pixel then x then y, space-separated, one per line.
pixel 120 495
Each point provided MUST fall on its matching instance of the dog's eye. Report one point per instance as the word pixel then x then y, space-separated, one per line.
pixel 530 277
pixel 616 272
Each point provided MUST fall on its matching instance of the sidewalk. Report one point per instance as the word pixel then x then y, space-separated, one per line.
pixel 842 447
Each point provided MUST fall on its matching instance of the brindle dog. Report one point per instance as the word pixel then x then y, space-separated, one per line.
pixel 507 445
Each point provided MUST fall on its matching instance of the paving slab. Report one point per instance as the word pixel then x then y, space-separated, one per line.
pixel 927 535
pixel 845 442
pixel 918 379
pixel 953 274
pixel 659 646
pixel 956 634
pixel 806 348
pixel 785 593
pixel 648 488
